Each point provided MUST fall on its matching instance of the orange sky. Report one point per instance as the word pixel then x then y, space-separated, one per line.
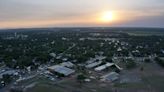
pixel 79 13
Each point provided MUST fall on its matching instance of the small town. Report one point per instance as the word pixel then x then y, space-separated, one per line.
pixel 82 60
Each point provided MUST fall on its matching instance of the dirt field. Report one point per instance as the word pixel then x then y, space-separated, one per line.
pixel 135 80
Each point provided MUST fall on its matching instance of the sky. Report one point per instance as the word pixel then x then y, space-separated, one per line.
pixel 81 13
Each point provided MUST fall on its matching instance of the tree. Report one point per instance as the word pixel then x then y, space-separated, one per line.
pixel 108 59
pixel 80 78
pixel 7 78
pixel 159 61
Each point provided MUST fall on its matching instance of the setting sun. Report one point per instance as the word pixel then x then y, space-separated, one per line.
pixel 107 16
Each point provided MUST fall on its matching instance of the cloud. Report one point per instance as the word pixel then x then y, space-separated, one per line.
pixel 80 11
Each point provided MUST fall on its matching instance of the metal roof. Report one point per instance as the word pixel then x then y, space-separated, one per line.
pixel 10 72
pixel 100 68
pixel 93 64
pixel 62 70
pixel 111 76
pixel 67 64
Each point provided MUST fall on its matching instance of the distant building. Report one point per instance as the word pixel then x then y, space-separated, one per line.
pixel 103 67
pixel 67 64
pixel 110 77
pixel 59 57
pixel 93 64
pixel 61 70
pixel 53 55
pixel 99 58
pixel 9 72
pixel 65 59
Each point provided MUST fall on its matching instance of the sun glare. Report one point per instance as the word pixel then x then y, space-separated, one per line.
pixel 107 16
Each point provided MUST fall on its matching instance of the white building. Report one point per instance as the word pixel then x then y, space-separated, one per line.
pixel 67 64
pixel 9 72
pixel 53 55
pixel 110 77
pixel 61 70
pixel 103 67
pixel 99 58
pixel 94 64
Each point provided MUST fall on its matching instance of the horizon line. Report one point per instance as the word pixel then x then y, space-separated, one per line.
pixel 81 27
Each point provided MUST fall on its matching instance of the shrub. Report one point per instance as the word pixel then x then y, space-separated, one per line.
pixel 159 61
pixel 80 78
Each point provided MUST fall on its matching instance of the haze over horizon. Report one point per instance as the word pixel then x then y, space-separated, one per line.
pixel 83 13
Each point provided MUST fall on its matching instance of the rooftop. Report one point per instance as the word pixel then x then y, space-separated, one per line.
pixel 100 68
pixel 111 76
pixel 61 69
pixel 67 64
pixel 93 64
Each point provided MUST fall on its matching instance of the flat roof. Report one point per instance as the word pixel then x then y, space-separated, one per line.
pixel 67 64
pixel 93 64
pixel 111 76
pixel 100 68
pixel 94 59
pixel 62 70
pixel 10 72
